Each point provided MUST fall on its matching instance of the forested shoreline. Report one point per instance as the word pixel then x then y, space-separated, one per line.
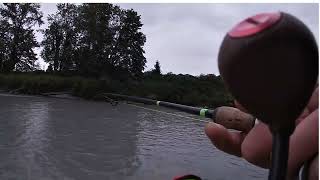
pixel 204 90
pixel 91 49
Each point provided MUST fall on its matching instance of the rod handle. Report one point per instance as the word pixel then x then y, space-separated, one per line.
pixel 233 118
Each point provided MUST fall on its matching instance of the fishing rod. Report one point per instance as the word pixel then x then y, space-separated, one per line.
pixel 229 117
pixel 168 113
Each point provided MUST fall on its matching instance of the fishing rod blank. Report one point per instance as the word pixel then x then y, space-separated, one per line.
pixel 229 117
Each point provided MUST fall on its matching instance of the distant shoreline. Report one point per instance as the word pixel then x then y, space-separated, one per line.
pixel 205 90
pixel 62 96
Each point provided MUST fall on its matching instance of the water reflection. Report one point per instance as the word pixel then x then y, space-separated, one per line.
pixel 23 137
pixel 34 138
pixel 47 138
pixel 63 139
pixel 180 146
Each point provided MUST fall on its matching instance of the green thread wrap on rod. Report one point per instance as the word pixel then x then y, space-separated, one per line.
pixel 203 112
pixel 188 109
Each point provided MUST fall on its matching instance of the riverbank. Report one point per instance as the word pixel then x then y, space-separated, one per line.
pixel 206 90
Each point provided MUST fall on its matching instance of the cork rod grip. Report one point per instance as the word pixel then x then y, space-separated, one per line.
pixel 233 118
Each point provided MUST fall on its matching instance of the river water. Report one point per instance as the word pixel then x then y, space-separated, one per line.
pixel 50 138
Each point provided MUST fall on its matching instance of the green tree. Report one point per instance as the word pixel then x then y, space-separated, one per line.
pixel 157 69
pixel 20 19
pixel 61 38
pixel 68 15
pixel 116 60
pixel 4 43
pixel 96 40
pixel 96 37
pixel 130 43
pixel 52 44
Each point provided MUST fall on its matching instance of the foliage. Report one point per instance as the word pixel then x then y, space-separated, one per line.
pixel 17 36
pixel 100 41
pixel 205 90
pixel 96 40
pixel 130 42
pixel 60 38
pixel 157 69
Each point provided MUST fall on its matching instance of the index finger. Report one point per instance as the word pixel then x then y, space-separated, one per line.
pixel 221 138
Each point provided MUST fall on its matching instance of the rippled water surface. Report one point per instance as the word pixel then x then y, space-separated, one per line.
pixel 50 138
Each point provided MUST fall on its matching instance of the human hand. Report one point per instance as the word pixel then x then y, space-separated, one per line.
pixel 255 145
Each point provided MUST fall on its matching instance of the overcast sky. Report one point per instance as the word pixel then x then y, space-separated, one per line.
pixel 185 38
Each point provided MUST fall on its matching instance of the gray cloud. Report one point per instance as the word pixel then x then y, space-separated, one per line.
pixel 185 38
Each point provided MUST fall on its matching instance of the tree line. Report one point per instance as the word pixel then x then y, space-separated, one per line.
pixel 87 39
pixel 100 46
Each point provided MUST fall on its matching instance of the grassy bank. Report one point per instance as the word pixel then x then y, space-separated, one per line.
pixel 184 89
